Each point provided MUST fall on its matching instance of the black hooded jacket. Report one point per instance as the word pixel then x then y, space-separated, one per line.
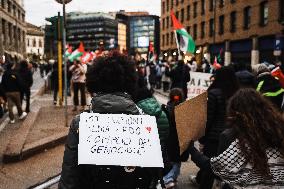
pixel 76 176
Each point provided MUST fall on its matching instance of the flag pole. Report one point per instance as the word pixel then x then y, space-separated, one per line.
pixel 179 55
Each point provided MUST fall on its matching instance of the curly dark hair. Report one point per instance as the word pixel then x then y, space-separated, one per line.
pixel 112 73
pixel 259 126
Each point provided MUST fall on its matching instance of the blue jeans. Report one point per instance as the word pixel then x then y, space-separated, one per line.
pixel 173 174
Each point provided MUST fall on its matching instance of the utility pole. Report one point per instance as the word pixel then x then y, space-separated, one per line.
pixel 64 2
pixel 59 47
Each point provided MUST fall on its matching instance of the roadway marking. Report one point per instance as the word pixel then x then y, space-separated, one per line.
pixel 48 183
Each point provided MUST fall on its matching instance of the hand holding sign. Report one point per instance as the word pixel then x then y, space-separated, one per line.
pixel 123 140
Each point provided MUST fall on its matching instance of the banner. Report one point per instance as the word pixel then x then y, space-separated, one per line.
pixel 191 117
pixel 199 83
pixel 122 140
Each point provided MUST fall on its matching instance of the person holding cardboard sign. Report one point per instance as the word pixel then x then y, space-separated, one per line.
pixel 112 80
pixel 255 159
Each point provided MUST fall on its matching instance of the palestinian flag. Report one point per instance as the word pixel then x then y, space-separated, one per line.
pixel 77 53
pixel 216 65
pixel 186 42
pixel 87 57
pixel 68 51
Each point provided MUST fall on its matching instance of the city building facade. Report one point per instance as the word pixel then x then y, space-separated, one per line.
pixel 142 29
pixel 34 41
pixel 248 31
pixel 12 29
pixel 122 30
pixel 93 29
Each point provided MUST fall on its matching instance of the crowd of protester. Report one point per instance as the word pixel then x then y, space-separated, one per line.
pixel 243 144
pixel 16 80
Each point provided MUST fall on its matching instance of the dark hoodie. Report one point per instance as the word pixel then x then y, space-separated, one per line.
pixel 26 76
pixel 11 81
pixel 74 176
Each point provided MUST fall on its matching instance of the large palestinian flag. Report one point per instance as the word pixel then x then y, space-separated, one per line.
pixel 77 53
pixel 68 51
pixel 186 42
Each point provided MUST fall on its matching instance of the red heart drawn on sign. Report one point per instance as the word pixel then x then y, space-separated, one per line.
pixel 149 129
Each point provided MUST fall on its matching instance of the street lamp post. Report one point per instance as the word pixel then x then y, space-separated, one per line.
pixel 64 2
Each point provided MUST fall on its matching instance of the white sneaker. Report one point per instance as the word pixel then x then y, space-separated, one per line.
pixel 23 116
pixel 12 121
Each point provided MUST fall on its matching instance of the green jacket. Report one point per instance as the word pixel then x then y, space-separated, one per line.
pixel 151 107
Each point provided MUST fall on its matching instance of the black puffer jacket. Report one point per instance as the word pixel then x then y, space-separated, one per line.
pixel 216 110
pixel 76 176
pixel 11 82
pixel 27 78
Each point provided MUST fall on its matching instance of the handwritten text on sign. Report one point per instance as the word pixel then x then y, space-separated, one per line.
pixel 114 139
pixel 198 84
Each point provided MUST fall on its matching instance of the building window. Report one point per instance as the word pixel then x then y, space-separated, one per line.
pixel 168 25
pixel 172 4
pixel 9 6
pixel 3 27
pixel 172 38
pixel 202 30
pixel 19 14
pixel 10 30
pixel 233 22
pixel 221 24
pixel 3 4
pixel 221 3
pixel 247 17
pixel 34 42
pixel 177 2
pixel 14 10
pixel 211 5
pixel 211 27
pixel 163 23
pixel 182 15
pixel 40 43
pixel 281 11
pixel 163 7
pixel 163 40
pixel 264 13
pixel 181 1
pixel 168 8
pixel 203 7
pixel 194 9
pixel 167 40
pixel 194 31
pixel 177 15
pixel 23 17
pixel 188 12
pixel 188 29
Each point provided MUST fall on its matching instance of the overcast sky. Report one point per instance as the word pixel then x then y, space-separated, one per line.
pixel 38 10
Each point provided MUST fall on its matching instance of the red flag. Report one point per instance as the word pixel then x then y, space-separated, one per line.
pixel 216 65
pixel 176 24
pixel 81 47
pixel 87 57
pixel 151 47
pixel 278 73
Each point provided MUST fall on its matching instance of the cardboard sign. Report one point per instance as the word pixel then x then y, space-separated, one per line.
pixel 118 139
pixel 199 83
pixel 191 117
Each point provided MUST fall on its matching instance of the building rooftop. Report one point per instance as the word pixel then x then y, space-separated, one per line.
pixel 81 15
pixel 34 30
